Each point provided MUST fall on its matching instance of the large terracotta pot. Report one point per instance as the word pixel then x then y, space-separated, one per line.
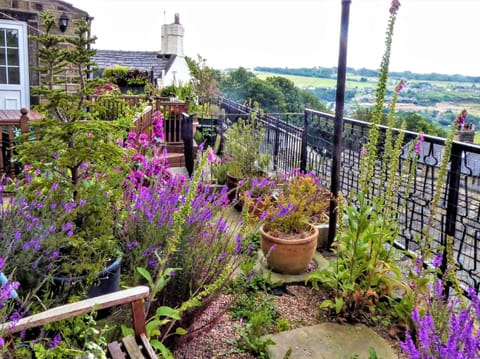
pixel 289 256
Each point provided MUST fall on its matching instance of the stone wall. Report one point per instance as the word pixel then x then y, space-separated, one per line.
pixel 29 11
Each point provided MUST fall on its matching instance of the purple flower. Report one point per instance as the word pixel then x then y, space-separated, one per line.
pixel 222 256
pixel 400 86
pixel 437 260
pixel 394 7
pixel 238 246
pixel 55 341
pixel 67 226
pixel 462 117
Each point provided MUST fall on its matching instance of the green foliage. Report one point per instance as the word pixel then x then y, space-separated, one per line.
pixel 79 337
pixel 74 149
pixel 362 277
pixel 274 94
pixel 205 79
pixel 307 203
pixel 242 149
pixel 123 76
pixel 363 273
pixel 257 314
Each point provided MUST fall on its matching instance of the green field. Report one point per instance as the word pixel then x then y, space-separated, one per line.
pixel 309 82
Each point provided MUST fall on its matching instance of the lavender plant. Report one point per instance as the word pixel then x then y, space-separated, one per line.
pixel 178 234
pixel 443 328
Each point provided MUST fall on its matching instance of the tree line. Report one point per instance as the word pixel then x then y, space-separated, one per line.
pixel 331 72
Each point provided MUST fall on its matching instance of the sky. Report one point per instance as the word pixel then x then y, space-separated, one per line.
pixel 430 35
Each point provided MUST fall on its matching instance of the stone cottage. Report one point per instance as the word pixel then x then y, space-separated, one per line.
pixel 18 54
pixel 166 67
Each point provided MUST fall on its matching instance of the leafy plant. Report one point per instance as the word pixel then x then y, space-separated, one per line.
pixel 256 315
pixel 242 148
pixel 300 201
pixel 188 250
pixel 74 338
pixel 74 150
pixel 123 76
pixel 362 277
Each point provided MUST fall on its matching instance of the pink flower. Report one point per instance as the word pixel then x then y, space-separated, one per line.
pixel 211 156
pixel 400 86
pixel 461 118
pixel 418 144
pixel 363 152
pixel 89 135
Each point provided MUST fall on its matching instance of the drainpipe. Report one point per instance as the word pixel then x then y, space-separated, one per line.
pixel 338 126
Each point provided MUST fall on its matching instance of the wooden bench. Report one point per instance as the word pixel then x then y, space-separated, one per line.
pixel 127 348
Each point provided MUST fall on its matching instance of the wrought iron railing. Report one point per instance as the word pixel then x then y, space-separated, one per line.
pixel 306 142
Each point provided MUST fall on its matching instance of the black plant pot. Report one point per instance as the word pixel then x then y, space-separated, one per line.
pixel 233 189
pixel 107 281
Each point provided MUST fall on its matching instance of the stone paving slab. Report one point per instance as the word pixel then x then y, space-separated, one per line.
pixel 329 341
pixel 262 268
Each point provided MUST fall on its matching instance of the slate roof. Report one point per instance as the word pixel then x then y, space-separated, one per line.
pixel 142 60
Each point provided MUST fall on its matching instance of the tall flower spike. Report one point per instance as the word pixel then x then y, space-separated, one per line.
pixel 394 7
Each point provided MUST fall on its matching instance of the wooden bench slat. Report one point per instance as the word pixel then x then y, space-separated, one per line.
pixel 132 347
pixel 78 308
pixel 148 348
pixel 115 350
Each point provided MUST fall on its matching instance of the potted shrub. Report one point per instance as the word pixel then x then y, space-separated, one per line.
pixel 289 239
pixel 242 152
pixel 75 152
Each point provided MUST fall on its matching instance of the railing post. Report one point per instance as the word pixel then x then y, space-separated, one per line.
pixel 276 145
pixel 303 155
pixel 453 186
pixel 338 126
pixel 187 136
pixel 24 128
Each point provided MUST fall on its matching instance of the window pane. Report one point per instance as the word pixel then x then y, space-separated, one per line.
pixel 3 75
pixel 14 75
pixel 12 38
pixel 12 57
pixel 2 56
pixel 2 37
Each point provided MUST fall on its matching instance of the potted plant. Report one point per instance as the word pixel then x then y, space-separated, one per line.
pixel 127 79
pixel 289 239
pixel 76 152
pixel 242 152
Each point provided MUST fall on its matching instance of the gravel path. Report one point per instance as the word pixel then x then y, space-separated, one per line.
pixel 299 309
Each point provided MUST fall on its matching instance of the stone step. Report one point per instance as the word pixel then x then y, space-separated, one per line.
pixel 329 341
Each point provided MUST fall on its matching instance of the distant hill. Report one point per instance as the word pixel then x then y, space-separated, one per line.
pixel 437 98
pixel 331 72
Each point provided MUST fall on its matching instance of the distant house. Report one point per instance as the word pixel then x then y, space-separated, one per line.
pixel 166 67
pixel 18 54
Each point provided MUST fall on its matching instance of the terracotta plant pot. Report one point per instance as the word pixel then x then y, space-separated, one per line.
pixel 289 256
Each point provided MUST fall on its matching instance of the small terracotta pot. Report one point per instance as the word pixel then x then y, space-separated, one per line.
pixel 289 256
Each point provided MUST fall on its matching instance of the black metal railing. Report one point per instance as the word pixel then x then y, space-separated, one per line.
pixel 305 141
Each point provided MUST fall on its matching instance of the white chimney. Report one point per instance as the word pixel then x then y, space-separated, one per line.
pixel 172 38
